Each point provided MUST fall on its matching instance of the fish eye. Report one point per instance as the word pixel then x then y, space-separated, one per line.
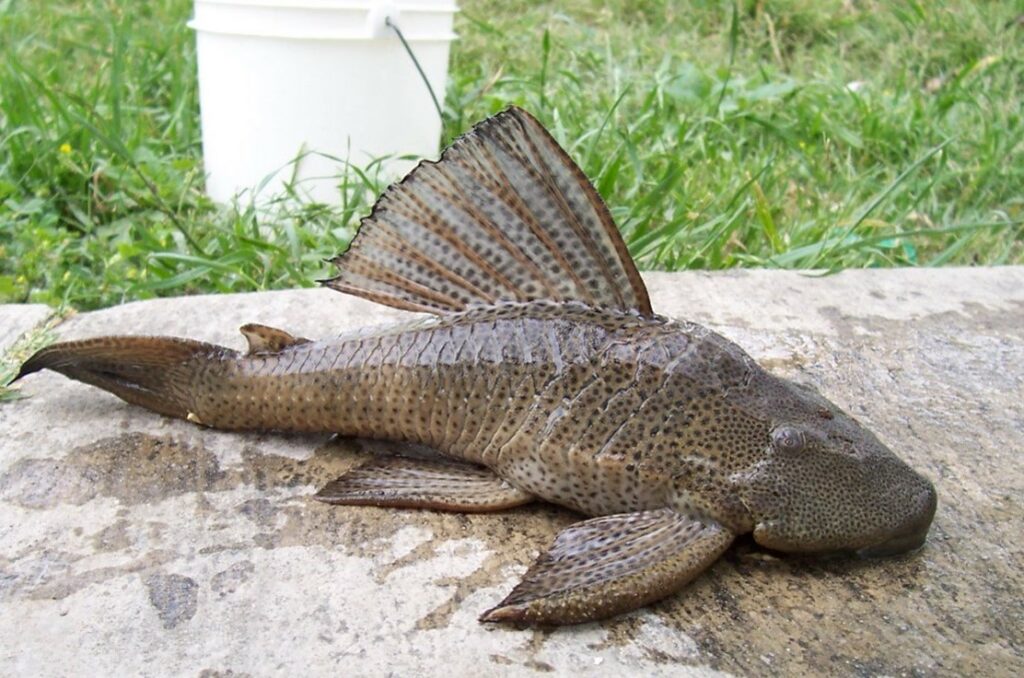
pixel 788 438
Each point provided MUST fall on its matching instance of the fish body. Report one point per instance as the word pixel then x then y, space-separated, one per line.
pixel 574 405
pixel 544 374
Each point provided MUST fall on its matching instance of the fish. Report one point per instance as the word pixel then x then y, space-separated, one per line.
pixel 536 369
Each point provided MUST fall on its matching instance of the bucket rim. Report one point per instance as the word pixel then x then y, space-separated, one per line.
pixel 337 36
pixel 446 7
pixel 324 20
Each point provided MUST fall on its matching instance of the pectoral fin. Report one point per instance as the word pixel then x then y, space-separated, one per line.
pixel 423 483
pixel 613 564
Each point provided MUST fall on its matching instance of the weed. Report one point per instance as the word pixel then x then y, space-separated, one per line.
pixel 792 134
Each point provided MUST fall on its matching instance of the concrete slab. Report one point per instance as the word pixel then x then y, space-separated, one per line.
pixel 17 319
pixel 131 543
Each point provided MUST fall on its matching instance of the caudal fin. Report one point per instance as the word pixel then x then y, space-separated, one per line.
pixel 154 372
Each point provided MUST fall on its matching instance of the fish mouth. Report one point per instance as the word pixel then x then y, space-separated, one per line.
pixel 911 534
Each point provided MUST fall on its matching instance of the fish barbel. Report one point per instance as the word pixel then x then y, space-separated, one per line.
pixel 541 373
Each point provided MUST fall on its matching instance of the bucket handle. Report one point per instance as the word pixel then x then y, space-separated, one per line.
pixel 385 15
pixel 398 31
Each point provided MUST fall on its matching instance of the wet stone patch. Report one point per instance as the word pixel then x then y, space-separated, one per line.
pixel 134 468
pixel 174 598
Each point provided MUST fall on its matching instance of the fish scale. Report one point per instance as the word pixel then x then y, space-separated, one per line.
pixel 545 374
pixel 608 377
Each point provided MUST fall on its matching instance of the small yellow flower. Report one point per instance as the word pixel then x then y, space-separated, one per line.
pixel 65 148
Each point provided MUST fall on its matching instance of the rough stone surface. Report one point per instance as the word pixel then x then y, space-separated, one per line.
pixel 17 319
pixel 136 544
pixel 173 596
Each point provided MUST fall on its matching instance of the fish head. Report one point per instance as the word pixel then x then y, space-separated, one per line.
pixel 824 483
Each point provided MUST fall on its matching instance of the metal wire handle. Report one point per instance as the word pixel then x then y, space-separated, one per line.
pixel 408 49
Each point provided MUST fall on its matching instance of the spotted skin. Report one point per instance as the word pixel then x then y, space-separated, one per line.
pixel 423 483
pixel 543 375
pixel 522 385
pixel 503 215
pixel 638 553
pixel 598 411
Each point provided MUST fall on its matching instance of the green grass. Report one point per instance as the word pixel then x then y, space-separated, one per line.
pixel 720 136
pixel 12 359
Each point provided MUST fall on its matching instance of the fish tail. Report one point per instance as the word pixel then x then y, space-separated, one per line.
pixel 153 372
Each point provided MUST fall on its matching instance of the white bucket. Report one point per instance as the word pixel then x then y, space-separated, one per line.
pixel 280 78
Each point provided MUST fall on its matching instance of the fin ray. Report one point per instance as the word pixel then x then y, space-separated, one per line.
pixel 423 483
pixel 504 215
pixel 612 564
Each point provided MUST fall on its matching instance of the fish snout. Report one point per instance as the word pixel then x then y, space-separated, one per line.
pixel 910 534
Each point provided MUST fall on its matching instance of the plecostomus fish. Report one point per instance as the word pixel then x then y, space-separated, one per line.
pixel 543 374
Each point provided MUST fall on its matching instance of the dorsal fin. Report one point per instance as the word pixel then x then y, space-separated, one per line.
pixel 504 215
pixel 263 339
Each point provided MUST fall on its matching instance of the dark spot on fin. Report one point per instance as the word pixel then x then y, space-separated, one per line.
pixel 263 339
pixel 423 484
pixel 612 564
pixel 504 216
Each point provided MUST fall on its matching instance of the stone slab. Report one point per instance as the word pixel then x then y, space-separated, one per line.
pixel 18 319
pixel 135 544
